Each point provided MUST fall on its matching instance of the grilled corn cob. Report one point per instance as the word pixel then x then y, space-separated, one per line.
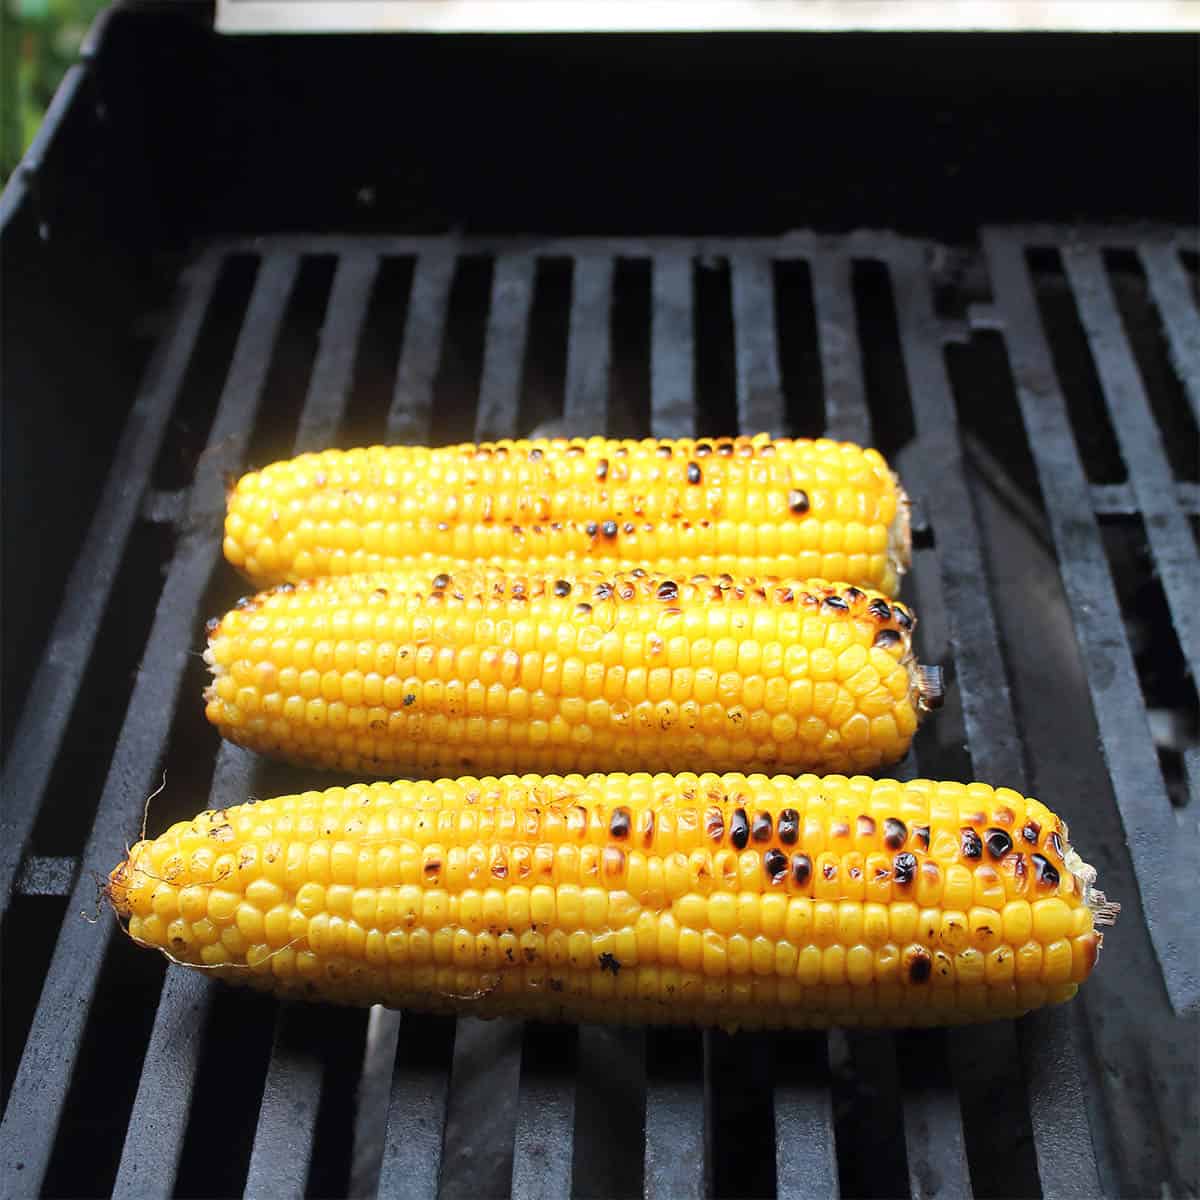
pixel 413 673
pixel 751 506
pixel 732 900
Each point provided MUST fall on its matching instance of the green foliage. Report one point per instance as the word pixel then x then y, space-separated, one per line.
pixel 39 40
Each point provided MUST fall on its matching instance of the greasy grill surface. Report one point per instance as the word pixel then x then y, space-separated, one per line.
pixel 289 344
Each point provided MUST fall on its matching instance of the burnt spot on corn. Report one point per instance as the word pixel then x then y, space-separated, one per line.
pixel 499 865
pixel 854 595
pixel 801 869
pixel 839 829
pixel 1004 816
pixel 613 861
pixel 798 501
pixel 591 529
pixel 609 529
pixel 703 448
pixel 602 470
pixel 663 451
pixel 629 527
pixel 739 829
pixel 694 474
pixel 881 609
pixel 760 831
pixel 918 965
pixel 668 590
pixel 970 843
pixel 789 826
pixel 604 591
pixel 1044 872
pixel 409 699
pixel 441 582
pixel 535 454
pixel 1055 843
pixel 610 963
pixel 212 625
pixel 785 595
pixel 646 827
pixel 714 824
pixel 885 639
pixel 1031 831
pixel 835 604
pixel 895 833
pixel 904 868
pixel 1091 949
pixel 865 826
pixel 903 617
pixel 619 825
pixel 829 871
pixel 583 609
pixel 562 588
pixel 998 843
pixel 775 864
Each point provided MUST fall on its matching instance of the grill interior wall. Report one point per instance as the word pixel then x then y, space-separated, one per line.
pixel 382 334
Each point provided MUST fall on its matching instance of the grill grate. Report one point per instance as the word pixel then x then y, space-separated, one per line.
pixel 703 1095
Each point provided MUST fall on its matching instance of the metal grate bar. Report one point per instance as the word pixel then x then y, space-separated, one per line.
pixel 589 353
pixel 675 1165
pixel 805 1102
pixel 1141 445
pixel 933 1132
pixel 1161 866
pixel 47 712
pixel 158 1122
pixel 1118 500
pixel 846 413
pixel 47 875
pixel 504 347
pixel 421 351
pixel 805 1152
pixel 983 680
pixel 672 348
pixel 544 1149
pixel 287 1120
pixel 412 1155
pixel 333 370
pixel 987 706
pixel 1057 1107
pixel 40 1088
pixel 1173 298
pixel 760 393
pixel 295 1075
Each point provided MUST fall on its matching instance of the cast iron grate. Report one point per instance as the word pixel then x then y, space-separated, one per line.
pixel 746 334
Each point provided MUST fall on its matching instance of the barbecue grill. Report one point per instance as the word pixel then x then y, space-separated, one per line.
pixel 1003 300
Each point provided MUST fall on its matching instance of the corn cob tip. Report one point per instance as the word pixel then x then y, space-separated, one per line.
pixel 931 688
pixel 1104 910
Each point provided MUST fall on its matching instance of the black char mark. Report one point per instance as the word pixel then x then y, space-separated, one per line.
pixel 1043 871
pixel 619 825
pixel 895 833
pixel 801 869
pixel 775 864
pixel 760 831
pixel 739 829
pixel 998 843
pixel 789 826
pixel 904 867
pixel 972 847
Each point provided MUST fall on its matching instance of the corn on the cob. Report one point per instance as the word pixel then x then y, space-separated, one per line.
pixel 408 673
pixel 733 900
pixel 750 506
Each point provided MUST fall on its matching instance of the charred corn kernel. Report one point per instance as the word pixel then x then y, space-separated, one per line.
pixel 514 904
pixel 749 506
pixel 712 716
